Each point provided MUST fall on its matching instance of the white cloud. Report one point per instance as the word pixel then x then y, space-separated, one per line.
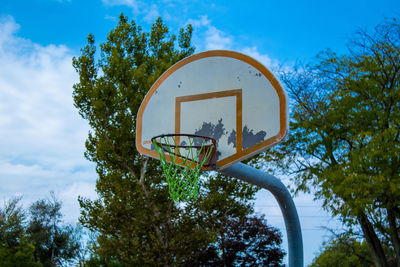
pixel 41 134
pixel 208 37
pixel 151 14
pixel 211 37
pixel 217 39
pixel 69 198
pixel 111 18
pixel 130 3
pixel 262 58
pixel 201 21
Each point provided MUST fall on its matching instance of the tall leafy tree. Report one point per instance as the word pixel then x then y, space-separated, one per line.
pixel 134 217
pixel 345 136
pixel 343 251
pixel 136 222
pixel 250 241
pixel 15 249
pixel 37 237
pixel 12 220
pixel 243 242
pixel 56 243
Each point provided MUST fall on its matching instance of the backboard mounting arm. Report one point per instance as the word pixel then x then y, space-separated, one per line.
pixel 285 201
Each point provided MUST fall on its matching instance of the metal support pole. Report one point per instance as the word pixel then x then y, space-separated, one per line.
pixel 285 201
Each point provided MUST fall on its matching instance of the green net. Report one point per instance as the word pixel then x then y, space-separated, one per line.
pixel 187 159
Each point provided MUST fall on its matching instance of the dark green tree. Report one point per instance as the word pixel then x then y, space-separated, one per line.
pixel 136 222
pixel 12 219
pixel 345 136
pixel 15 250
pixel 243 242
pixel 134 217
pixel 343 251
pixel 19 256
pixel 56 244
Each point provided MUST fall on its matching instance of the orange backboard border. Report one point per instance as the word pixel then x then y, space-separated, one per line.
pixel 242 154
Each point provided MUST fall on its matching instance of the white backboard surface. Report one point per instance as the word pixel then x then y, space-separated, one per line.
pixel 221 94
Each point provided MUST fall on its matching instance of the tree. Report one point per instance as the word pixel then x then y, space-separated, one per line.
pixel 251 242
pixel 243 242
pixel 15 250
pixel 343 251
pixel 344 141
pixel 12 219
pixel 133 215
pixel 18 256
pixel 135 220
pixel 55 243
pixel 38 239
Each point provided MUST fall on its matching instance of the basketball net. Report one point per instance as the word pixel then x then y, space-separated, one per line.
pixel 183 168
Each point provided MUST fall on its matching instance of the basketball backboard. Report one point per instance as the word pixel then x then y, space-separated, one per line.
pixel 221 94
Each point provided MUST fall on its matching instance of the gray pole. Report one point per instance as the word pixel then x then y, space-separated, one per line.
pixel 285 201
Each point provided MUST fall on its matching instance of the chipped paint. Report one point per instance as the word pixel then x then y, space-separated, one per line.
pixel 211 130
pixel 250 139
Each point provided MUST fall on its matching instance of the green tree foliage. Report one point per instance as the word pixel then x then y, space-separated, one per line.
pixel 243 242
pixel 14 248
pixel 250 242
pixel 343 251
pixel 136 222
pixel 12 219
pixel 133 214
pixel 344 141
pixel 18 256
pixel 56 244
pixel 37 237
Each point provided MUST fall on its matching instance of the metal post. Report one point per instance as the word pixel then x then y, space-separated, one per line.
pixel 285 201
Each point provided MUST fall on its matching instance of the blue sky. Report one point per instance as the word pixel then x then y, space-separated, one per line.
pixel 41 135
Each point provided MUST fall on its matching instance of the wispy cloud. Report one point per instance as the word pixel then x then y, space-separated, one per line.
pixel 152 13
pixel 217 39
pixel 41 135
pixel 211 37
pixel 200 22
pixel 134 4
pixel 111 18
pixel 265 59
pixel 149 12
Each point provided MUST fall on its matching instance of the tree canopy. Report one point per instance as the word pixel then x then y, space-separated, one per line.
pixel 244 242
pixel 344 141
pixel 55 243
pixel 15 249
pixel 36 237
pixel 343 251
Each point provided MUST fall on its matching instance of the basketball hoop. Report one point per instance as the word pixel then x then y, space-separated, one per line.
pixel 182 157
